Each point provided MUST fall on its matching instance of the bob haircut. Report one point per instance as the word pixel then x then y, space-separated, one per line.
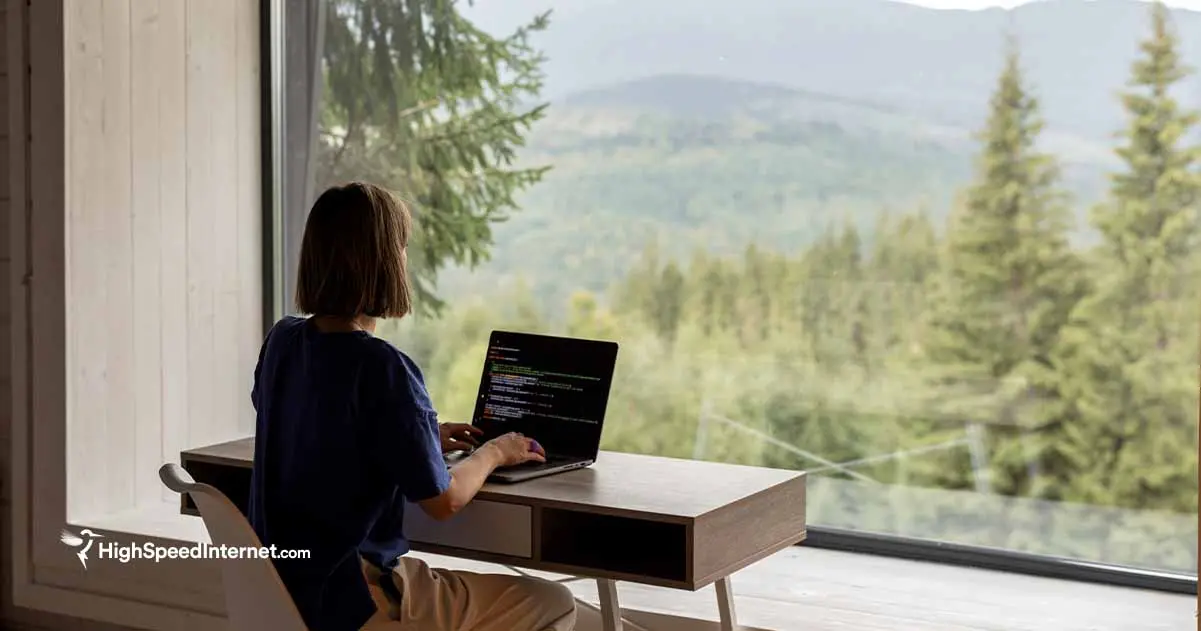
pixel 352 256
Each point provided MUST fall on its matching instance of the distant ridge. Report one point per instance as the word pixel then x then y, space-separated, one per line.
pixel 682 92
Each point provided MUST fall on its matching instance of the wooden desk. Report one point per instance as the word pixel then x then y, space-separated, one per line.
pixel 643 519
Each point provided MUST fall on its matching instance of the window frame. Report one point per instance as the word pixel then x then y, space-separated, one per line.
pixel 1001 560
pixel 271 39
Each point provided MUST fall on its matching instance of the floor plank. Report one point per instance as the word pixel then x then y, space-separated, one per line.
pixel 805 589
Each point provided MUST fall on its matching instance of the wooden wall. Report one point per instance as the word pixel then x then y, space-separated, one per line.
pixel 164 274
pixel 163 220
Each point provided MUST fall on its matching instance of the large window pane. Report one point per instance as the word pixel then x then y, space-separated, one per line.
pixel 945 261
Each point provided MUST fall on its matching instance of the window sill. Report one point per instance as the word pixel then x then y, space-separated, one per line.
pixel 156 521
pixel 180 594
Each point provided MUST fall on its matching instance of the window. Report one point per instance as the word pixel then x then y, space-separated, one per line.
pixel 929 257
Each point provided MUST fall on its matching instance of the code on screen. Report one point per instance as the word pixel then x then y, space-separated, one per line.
pixel 515 389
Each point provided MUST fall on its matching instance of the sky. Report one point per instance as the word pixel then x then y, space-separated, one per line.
pixel 984 4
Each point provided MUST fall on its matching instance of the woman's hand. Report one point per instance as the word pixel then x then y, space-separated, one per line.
pixel 458 436
pixel 515 449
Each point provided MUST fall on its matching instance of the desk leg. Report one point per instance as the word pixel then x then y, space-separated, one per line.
pixel 725 605
pixel 610 610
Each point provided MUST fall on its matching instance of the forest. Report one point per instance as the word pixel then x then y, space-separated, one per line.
pixel 977 376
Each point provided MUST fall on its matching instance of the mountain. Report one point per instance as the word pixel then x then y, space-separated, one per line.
pixel 712 125
pixel 682 95
pixel 938 64
pixel 710 163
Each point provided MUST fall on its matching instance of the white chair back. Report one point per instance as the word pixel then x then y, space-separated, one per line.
pixel 255 597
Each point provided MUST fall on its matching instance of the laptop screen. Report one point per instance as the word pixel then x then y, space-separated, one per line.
pixel 552 389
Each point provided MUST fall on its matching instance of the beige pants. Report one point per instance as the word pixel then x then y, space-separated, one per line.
pixel 451 600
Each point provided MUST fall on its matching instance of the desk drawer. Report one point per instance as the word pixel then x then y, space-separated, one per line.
pixel 482 526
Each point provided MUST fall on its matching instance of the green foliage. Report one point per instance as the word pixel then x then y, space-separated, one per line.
pixel 623 178
pixel 721 389
pixel 1008 283
pixel 420 100
pixel 1128 363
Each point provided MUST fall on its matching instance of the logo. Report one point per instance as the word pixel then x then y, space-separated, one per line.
pixel 76 541
pixel 150 551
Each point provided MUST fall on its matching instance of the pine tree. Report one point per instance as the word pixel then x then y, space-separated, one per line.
pixel 756 303
pixel 855 292
pixel 1129 359
pixel 702 284
pixel 635 293
pixel 419 99
pixel 1009 281
pixel 668 303
pixel 904 261
pixel 817 298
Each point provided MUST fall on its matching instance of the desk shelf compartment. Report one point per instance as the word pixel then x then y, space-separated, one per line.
pixel 625 545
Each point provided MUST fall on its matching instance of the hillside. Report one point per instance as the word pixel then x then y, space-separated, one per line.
pixel 714 164
pixel 711 125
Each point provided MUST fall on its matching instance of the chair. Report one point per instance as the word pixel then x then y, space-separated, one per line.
pixel 255 597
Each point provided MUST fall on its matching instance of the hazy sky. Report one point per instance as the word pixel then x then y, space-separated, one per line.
pixel 984 4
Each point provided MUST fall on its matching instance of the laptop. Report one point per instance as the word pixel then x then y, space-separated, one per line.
pixel 551 389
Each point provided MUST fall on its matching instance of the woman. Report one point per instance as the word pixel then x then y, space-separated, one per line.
pixel 346 434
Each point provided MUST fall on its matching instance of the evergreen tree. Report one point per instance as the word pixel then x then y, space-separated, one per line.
pixel 1010 279
pixel 668 303
pixel 1129 360
pixel 419 99
pixel 833 306
pixel 904 261
pixel 756 303
pixel 855 290
pixel 636 292
pixel 703 285
pixel 816 298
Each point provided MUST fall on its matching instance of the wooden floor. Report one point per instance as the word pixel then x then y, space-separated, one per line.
pixel 805 589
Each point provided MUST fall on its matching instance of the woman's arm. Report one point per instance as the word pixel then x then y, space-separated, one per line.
pixel 467 477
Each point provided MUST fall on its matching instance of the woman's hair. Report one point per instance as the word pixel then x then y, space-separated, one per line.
pixel 352 257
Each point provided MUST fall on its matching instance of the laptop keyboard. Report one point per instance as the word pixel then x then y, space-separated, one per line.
pixel 534 464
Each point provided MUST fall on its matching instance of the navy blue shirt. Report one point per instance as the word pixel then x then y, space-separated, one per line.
pixel 345 434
